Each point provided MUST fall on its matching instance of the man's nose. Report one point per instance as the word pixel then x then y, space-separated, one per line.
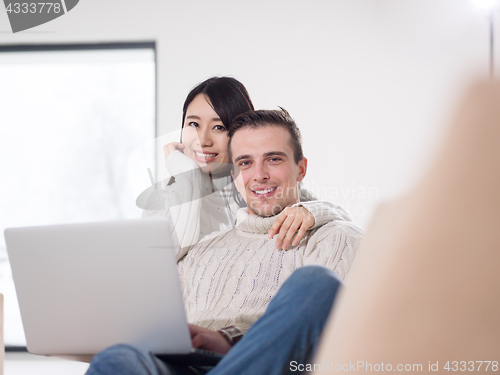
pixel 261 173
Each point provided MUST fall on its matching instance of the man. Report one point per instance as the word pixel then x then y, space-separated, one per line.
pixel 231 281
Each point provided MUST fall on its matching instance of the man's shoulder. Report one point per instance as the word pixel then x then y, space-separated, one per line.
pixel 334 245
pixel 337 227
pixel 214 236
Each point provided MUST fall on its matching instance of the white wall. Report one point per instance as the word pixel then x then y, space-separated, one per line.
pixel 370 82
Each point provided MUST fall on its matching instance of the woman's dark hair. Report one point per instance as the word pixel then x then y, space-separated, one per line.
pixel 228 97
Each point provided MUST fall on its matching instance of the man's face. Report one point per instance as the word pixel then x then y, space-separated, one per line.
pixel 267 174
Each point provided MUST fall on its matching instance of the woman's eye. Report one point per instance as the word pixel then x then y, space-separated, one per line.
pixel 193 123
pixel 219 127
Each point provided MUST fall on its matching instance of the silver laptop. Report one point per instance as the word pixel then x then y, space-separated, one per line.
pixel 84 287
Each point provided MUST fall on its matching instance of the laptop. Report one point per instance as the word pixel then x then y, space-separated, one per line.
pixel 84 287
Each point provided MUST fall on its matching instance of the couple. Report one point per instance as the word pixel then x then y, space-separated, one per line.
pixel 239 285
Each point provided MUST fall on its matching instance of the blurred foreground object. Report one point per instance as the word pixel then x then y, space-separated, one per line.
pixel 426 288
pixel 2 346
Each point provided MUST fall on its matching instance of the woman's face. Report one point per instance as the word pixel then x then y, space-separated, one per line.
pixel 205 137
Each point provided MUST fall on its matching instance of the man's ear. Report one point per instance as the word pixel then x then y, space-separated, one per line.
pixel 302 169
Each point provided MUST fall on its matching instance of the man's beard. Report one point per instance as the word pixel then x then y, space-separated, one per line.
pixel 282 199
pixel 266 210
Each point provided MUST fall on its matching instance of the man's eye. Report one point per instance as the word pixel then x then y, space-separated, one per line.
pixel 243 163
pixel 274 159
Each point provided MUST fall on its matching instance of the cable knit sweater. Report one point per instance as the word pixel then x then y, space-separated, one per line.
pixel 199 206
pixel 230 278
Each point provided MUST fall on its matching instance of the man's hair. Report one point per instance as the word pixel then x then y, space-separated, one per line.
pixel 261 118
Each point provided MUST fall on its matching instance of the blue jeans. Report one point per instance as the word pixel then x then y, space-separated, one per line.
pixel 289 331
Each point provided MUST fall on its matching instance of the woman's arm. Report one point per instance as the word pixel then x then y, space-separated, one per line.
pixel 179 202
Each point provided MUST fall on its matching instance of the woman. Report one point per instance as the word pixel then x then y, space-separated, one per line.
pixel 200 198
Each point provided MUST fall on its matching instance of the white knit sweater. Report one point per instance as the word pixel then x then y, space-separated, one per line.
pixel 230 278
pixel 196 211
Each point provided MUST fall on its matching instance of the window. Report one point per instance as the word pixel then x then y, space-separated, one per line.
pixel 72 117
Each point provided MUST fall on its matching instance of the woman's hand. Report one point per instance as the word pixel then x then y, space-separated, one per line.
pixel 288 222
pixel 171 147
pixel 208 339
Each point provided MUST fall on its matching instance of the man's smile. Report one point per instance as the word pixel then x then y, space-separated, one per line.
pixel 264 192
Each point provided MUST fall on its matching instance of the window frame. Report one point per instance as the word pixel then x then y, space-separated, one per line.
pixel 62 47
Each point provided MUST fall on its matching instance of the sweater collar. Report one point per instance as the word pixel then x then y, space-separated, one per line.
pixel 253 223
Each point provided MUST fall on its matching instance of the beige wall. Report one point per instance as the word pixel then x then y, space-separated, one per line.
pixel 370 82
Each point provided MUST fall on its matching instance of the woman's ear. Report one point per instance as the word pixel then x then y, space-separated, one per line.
pixel 302 169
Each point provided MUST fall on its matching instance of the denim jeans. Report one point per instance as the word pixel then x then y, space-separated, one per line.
pixel 285 337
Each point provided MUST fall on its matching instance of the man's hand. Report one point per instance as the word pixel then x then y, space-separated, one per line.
pixel 288 222
pixel 209 340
